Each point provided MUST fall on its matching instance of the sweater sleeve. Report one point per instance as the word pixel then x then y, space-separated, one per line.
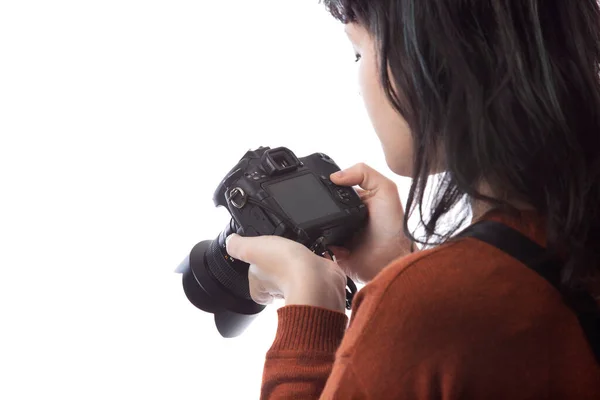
pixel 307 348
pixel 300 360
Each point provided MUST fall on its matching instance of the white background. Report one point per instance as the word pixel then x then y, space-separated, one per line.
pixel 117 121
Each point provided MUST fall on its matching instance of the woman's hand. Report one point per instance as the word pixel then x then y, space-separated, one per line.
pixel 282 268
pixel 383 238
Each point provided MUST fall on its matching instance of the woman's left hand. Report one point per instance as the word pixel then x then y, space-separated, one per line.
pixel 282 268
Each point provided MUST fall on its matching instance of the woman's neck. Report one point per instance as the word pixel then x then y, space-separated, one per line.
pixel 480 207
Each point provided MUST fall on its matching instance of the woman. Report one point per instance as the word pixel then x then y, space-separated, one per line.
pixel 503 98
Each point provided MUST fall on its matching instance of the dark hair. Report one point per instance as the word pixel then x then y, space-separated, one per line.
pixel 501 91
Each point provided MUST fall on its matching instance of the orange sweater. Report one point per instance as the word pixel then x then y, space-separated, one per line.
pixel 461 321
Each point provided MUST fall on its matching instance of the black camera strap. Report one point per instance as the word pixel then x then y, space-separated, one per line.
pixel 535 257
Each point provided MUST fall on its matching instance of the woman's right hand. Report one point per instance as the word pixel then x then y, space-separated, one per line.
pixel 382 240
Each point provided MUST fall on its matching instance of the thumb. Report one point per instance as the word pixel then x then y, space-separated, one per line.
pixel 258 290
pixel 365 177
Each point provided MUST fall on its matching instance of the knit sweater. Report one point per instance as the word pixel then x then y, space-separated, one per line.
pixel 460 321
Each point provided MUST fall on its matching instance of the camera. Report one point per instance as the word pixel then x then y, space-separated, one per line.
pixel 269 192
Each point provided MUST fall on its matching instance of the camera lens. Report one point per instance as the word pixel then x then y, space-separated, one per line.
pixel 216 283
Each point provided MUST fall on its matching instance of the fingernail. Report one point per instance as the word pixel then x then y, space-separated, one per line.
pixel 338 174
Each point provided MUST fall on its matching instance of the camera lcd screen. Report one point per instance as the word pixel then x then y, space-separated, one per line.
pixel 304 198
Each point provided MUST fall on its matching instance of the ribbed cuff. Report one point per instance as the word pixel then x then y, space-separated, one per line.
pixel 309 329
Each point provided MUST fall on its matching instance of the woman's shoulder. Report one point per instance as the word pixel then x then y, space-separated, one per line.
pixel 465 264
pixel 465 306
pixel 463 312
pixel 453 297
pixel 465 278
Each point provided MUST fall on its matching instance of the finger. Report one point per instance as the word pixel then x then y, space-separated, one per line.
pixel 347 268
pixel 260 297
pixel 258 292
pixel 261 250
pixel 365 177
pixel 364 194
pixel 340 253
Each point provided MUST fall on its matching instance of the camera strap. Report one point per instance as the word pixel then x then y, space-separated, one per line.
pixel 534 256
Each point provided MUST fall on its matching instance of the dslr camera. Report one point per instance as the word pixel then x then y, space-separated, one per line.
pixel 269 192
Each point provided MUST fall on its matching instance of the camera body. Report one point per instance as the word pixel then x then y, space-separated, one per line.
pixel 272 192
pixel 269 192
